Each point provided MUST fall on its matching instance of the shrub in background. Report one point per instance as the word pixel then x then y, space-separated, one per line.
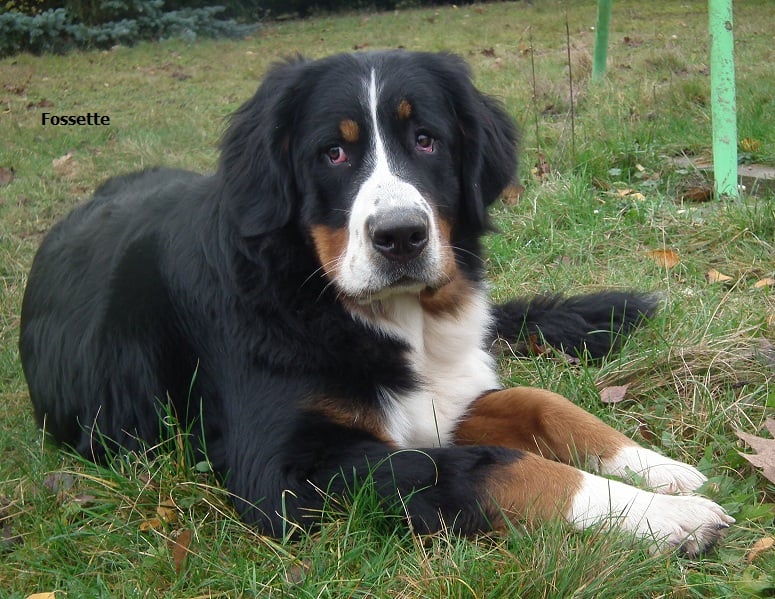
pixel 30 27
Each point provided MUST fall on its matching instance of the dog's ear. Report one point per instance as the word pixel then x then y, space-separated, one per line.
pixel 255 171
pixel 488 160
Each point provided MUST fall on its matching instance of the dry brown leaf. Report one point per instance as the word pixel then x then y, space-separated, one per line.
pixel 298 571
pixel 765 282
pixel 17 88
pixel 179 546
pixel 535 348
pixel 44 103
pixel 167 512
pixel 613 394
pixel 65 166
pixel 749 144
pixel 51 595
pixel 151 524
pixel 665 258
pixel 6 175
pixel 512 194
pixel 699 193
pixel 764 448
pixel 759 547
pixel 714 276
pixel 542 169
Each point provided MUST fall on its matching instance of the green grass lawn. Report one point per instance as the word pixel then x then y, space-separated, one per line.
pixel 704 367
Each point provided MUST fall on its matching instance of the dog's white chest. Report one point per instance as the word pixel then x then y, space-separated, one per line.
pixel 449 361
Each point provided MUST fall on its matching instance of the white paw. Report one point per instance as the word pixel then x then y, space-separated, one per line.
pixel 688 522
pixel 659 473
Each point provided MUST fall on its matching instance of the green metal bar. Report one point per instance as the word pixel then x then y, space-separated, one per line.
pixel 601 38
pixel 722 97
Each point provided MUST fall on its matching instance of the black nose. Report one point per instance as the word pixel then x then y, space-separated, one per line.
pixel 400 234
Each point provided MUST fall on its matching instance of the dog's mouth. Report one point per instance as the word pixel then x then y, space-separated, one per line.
pixel 402 286
pixel 401 283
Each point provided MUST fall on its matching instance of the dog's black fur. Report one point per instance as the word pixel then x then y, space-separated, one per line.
pixel 206 293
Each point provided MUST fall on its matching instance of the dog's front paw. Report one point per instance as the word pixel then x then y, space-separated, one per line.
pixel 690 523
pixel 659 473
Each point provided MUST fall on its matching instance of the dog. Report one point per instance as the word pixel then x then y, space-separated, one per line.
pixel 315 312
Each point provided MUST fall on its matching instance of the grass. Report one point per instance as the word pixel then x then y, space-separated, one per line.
pixel 700 370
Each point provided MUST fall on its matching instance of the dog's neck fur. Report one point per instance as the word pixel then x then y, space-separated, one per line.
pixel 452 366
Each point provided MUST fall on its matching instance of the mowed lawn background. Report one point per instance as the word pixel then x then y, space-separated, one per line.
pixel 605 207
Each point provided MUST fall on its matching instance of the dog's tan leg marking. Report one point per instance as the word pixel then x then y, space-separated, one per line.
pixel 546 423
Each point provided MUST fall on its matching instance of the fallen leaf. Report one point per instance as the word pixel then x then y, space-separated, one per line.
pixel 6 175
pixel 714 276
pixel 151 524
pixel 85 500
pixel 749 144
pixel 764 448
pixel 65 166
pixel 613 394
pixel 765 282
pixel 759 547
pixel 535 348
pixel 18 89
pixel 59 482
pixel 629 194
pixel 297 572
pixel 179 545
pixel 765 353
pixel 512 194
pixel 665 258
pixel 632 42
pixel 647 433
pixel 542 168
pixel 51 595
pixel 698 193
pixel 44 103
pixel 167 512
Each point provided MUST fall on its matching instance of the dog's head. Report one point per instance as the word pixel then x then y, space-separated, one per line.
pixel 387 161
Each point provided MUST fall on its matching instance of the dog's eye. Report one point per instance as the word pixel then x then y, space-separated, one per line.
pixel 336 155
pixel 424 143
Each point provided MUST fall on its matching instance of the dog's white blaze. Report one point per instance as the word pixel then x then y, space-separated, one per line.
pixel 453 369
pixel 660 473
pixel 665 519
pixel 383 189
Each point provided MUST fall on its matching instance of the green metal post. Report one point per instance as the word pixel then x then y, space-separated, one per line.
pixel 722 97
pixel 601 38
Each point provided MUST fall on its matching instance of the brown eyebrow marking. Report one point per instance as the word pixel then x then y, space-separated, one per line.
pixel 404 110
pixel 350 130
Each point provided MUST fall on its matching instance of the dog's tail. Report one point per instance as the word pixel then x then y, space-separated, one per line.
pixel 593 324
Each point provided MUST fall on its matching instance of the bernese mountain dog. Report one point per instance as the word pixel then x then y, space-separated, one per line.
pixel 315 314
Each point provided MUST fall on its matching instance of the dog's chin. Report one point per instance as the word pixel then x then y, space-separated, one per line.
pixel 404 286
